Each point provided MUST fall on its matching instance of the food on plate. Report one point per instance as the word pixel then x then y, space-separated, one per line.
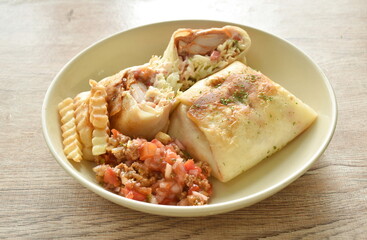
pixel 72 146
pixel 224 114
pixel 197 53
pixel 237 117
pixel 140 98
pixel 153 172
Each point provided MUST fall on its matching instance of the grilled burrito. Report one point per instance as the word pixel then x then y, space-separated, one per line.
pixel 237 117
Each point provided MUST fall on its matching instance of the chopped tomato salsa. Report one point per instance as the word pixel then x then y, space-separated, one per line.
pixel 151 171
pixel 111 178
pixel 147 150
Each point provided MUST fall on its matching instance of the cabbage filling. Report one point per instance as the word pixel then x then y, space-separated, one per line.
pixel 198 67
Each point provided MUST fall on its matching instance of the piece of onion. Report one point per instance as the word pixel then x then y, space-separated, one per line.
pixel 138 91
pixel 200 195
pixel 183 202
pixel 168 171
pixel 153 199
pixel 176 188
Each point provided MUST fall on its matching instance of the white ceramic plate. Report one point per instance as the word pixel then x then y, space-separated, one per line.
pixel 275 57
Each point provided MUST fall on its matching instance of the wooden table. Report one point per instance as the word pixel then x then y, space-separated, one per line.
pixel 39 200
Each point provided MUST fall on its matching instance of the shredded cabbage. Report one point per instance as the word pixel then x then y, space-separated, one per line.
pixel 181 75
pixel 198 67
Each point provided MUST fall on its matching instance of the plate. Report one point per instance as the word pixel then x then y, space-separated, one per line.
pixel 275 57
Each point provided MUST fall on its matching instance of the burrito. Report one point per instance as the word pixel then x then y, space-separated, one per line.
pixel 136 107
pixel 237 117
pixel 197 53
pixel 141 98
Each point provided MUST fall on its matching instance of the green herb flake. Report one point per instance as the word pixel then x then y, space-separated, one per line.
pixel 218 85
pixel 225 101
pixel 294 123
pixel 252 78
pixel 274 147
pixel 235 43
pixel 240 95
pixel 265 97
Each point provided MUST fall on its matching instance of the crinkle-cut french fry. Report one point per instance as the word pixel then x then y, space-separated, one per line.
pixel 83 125
pixel 72 145
pixel 100 138
pixel 98 117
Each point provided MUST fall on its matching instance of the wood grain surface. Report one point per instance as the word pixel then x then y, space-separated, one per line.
pixel 39 200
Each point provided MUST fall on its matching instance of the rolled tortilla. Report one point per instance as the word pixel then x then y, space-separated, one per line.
pixel 136 107
pixel 140 98
pixel 237 117
pixel 198 53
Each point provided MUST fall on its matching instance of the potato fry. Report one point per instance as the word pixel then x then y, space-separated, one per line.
pixel 98 116
pixel 83 125
pixel 71 142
